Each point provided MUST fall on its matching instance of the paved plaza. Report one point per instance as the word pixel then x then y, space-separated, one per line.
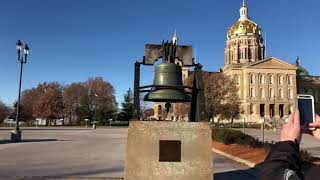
pixel 308 142
pixel 75 153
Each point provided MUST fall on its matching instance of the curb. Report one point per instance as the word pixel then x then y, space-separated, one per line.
pixel 248 163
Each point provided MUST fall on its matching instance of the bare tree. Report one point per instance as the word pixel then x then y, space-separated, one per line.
pixel 98 100
pixel 72 95
pixel 221 96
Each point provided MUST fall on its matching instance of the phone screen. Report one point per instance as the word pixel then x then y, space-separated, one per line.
pixel 306 112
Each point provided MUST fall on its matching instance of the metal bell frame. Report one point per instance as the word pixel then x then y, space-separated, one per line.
pixel 168 52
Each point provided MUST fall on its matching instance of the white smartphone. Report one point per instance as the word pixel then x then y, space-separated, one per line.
pixel 306 108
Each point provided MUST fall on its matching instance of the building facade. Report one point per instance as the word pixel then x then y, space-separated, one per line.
pixel 267 86
pixel 310 85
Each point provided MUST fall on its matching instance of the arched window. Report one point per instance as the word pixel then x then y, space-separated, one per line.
pixel 252 78
pixel 271 93
pixel 290 93
pixel 289 80
pixel 251 92
pixel 261 93
pixel 270 79
pixel 280 79
pixel 280 95
pixel 261 79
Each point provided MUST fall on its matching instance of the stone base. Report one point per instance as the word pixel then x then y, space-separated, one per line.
pixel 158 150
pixel 16 136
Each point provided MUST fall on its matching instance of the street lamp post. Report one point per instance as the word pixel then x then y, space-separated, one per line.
pixel 16 133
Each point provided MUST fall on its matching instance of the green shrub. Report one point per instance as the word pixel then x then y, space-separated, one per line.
pixel 228 136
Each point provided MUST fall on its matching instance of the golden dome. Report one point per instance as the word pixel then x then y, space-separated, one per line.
pixel 244 27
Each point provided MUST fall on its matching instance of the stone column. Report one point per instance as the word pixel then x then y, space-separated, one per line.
pixel 257 110
pixel 236 54
pixel 247 109
pixel 277 111
pixel 286 110
pixel 267 110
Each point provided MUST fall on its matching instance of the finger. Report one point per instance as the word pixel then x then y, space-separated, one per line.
pixel 317 118
pixel 315 124
pixel 296 119
pixel 290 119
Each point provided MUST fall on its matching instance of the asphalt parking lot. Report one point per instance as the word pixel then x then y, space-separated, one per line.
pixel 76 153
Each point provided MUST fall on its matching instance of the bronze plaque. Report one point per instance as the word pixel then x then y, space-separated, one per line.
pixel 169 151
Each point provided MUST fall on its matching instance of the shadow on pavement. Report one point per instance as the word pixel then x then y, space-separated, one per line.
pixel 28 141
pixel 247 174
pixel 44 128
pixel 240 174
pixel 92 174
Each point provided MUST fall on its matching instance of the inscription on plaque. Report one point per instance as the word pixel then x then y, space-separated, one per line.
pixel 169 151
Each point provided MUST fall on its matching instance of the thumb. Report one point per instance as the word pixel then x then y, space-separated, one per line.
pixel 317 123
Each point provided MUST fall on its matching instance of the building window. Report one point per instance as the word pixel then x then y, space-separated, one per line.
pixel 280 80
pixel 271 94
pixel 290 93
pixel 251 92
pixel 289 80
pixel 261 79
pixel 252 78
pixel 261 93
pixel 280 95
pixel 251 108
pixel 270 79
pixel 237 79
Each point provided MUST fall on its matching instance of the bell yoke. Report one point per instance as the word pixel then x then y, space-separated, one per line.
pixel 167 84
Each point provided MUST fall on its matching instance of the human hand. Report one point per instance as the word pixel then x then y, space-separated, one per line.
pixel 291 131
pixel 315 133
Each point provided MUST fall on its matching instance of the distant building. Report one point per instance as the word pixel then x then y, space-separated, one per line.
pixel 267 86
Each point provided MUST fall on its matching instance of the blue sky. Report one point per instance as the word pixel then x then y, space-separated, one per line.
pixel 71 40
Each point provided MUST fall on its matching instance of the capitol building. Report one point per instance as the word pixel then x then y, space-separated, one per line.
pixel 267 86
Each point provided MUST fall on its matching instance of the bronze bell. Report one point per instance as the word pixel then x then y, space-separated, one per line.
pixel 167 85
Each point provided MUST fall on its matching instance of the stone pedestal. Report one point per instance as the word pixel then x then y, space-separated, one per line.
pixel 16 136
pixel 158 150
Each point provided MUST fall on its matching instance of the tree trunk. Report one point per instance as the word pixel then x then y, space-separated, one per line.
pixel 231 123
pixel 70 118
